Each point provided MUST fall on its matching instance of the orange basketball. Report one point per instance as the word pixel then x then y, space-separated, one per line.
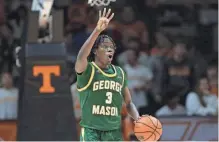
pixel 148 128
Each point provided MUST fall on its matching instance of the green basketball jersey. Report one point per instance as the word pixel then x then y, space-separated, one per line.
pixel 101 97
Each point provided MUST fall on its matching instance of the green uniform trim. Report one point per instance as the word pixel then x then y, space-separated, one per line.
pixel 106 74
pixel 89 82
pixel 88 134
pixel 82 135
pixel 123 76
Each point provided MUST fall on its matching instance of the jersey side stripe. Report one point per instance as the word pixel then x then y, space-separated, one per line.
pixel 82 134
pixel 89 82
pixel 123 76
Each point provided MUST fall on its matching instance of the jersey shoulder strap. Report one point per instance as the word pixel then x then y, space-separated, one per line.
pixel 121 73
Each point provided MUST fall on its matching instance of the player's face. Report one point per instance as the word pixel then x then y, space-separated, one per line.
pixel 105 52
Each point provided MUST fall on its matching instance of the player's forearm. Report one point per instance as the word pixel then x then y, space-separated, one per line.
pixel 132 110
pixel 87 46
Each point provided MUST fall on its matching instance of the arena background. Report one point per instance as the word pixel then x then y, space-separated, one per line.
pixel 42 104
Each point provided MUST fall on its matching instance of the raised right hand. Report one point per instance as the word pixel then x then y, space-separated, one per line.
pixel 104 19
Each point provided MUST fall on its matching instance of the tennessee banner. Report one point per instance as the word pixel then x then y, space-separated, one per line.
pixel 46 72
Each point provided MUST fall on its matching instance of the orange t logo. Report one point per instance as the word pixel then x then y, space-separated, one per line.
pixel 46 72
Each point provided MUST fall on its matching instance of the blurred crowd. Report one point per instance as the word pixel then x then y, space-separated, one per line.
pixel 167 51
pixel 12 20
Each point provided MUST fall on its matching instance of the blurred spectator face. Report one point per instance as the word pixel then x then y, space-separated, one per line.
pixel 173 102
pixel 212 72
pixel 204 86
pixel 212 75
pixel 179 52
pixel 92 16
pixel 132 57
pixel 128 14
pixel 7 80
pixel 77 17
pixel 5 32
pixel 134 45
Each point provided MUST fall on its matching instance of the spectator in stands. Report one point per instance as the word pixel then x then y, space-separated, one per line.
pixel 92 18
pixel 212 75
pixel 172 106
pixel 76 17
pixel 200 64
pixel 148 10
pixel 201 101
pixel 139 81
pixel 76 103
pixel 131 28
pixel 76 30
pixel 156 60
pixel 18 19
pixel 178 71
pixel 134 44
pixel 8 98
pixel 6 48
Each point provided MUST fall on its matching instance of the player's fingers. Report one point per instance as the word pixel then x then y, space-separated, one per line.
pixel 104 12
pixel 108 13
pixel 99 13
pixel 111 17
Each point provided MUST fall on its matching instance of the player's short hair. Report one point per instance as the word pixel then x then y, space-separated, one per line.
pixel 98 41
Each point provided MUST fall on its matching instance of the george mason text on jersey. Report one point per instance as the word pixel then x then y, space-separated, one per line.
pixel 106 84
pixel 105 110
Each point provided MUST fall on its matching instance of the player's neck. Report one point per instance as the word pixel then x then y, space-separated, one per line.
pixel 101 65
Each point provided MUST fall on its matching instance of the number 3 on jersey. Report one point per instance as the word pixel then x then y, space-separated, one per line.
pixel 109 97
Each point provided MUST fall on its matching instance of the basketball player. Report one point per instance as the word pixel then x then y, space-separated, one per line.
pixel 102 86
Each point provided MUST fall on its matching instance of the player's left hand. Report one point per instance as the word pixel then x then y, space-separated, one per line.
pixel 139 118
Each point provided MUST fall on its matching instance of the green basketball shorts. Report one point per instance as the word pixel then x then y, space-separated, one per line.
pixel 88 134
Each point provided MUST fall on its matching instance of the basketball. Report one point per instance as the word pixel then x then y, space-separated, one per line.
pixel 148 128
